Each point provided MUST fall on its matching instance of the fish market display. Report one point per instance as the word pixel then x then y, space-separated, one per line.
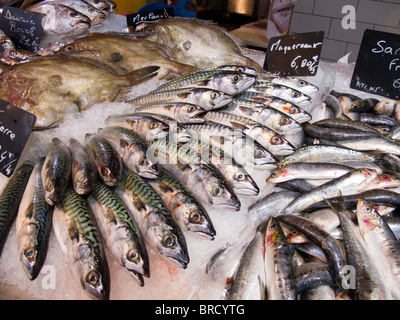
pixel 187 173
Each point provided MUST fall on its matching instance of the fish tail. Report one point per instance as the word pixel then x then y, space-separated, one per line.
pixel 141 75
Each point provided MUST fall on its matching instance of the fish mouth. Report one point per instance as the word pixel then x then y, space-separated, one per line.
pixel 81 24
pixel 248 191
pixel 304 103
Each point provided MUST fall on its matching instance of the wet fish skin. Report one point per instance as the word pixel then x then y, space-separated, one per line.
pixel 155 220
pixel 292 82
pixel 350 183
pixel 310 275
pixel 83 171
pixel 187 211
pixel 61 19
pixel 234 173
pixel 181 112
pixel 107 160
pixel 249 280
pixel 120 231
pixel 10 199
pixel 306 170
pixel 203 179
pixel 131 149
pixel 56 171
pixel 382 243
pixel 368 284
pixel 279 276
pixel 208 99
pixel 147 127
pixel 332 249
pixel 381 144
pixel 80 240
pixel 33 224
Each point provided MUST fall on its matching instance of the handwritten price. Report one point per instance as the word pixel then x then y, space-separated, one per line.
pixel 311 65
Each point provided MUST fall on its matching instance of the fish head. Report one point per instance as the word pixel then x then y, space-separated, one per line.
pixel 280 146
pixel 101 5
pixel 138 161
pixel 278 175
pixel 194 217
pixel 83 181
pixel 110 175
pixel 172 245
pixel 29 253
pixel 298 97
pixel 191 113
pixel 271 232
pixel 212 99
pixel 233 83
pixel 63 19
pixel 368 218
pixel 95 282
pixel 134 258
pixel 151 129
pixel 288 125
pixel 221 194
pixel 181 134
pixel 242 182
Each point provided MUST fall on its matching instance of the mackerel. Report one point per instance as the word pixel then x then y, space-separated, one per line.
pixel 80 241
pixel 120 231
pixel 10 199
pixel 292 82
pixel 33 224
pixel 56 171
pixel 187 211
pixel 131 149
pixel 156 223
pixel 107 160
pixel 206 98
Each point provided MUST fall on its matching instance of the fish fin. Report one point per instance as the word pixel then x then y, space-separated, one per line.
pixel 183 95
pixel 246 110
pixel 137 203
pixel 141 75
pixel 123 144
pixel 338 206
pixel 237 125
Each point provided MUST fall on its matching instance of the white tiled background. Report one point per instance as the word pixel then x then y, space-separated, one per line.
pixel 326 15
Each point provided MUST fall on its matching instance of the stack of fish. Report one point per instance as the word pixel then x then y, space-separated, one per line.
pixel 335 199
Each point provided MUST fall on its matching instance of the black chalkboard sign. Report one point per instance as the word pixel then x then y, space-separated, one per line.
pixel 134 19
pixel 23 27
pixel 377 69
pixel 16 125
pixel 294 55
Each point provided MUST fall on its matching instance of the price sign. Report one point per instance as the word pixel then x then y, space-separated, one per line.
pixel 23 27
pixel 16 125
pixel 135 19
pixel 294 55
pixel 377 69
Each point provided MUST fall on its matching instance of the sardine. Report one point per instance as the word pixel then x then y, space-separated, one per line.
pixel 120 231
pixel 10 199
pixel 84 171
pixel 187 211
pixel 156 223
pixel 131 149
pixel 381 243
pixel 33 224
pixel 352 182
pixel 80 241
pixel 248 281
pixel 368 285
pixel 381 144
pixel 385 107
pixel 181 112
pixel 310 275
pixel 148 128
pixel 279 276
pixel 107 160
pixel 203 179
pixel 268 138
pixel 208 99
pixel 56 171
pixel 333 251
pixel 308 170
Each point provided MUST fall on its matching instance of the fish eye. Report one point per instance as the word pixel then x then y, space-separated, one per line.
pixel 214 95
pixel 285 121
pixel 277 140
pixel 217 191
pixel 191 108
pixel 133 256
pixel 195 217
pixel 73 14
pixel 169 240
pixel 236 78
pixel 142 162
pixel 368 209
pixel 240 69
pixel 293 110
pixel 92 277
pixel 30 254
pixel 274 174
pixel 259 153
pixel 295 94
pixel 69 47
pixel 240 177
pixel 302 83
pixel 153 125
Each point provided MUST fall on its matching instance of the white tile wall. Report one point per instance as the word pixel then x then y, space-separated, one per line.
pixel 326 15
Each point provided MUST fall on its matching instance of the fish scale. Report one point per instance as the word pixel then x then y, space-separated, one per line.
pixel 10 199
